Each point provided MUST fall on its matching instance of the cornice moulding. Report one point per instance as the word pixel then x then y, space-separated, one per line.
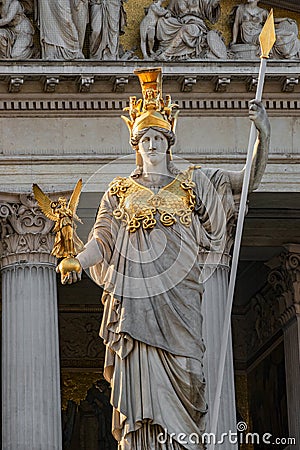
pixel 116 69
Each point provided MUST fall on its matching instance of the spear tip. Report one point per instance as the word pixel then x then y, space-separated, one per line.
pixel 267 36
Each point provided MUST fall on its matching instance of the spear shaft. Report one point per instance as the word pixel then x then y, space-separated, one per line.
pixel 239 229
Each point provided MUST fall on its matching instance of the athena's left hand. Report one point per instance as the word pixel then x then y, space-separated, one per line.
pixel 258 115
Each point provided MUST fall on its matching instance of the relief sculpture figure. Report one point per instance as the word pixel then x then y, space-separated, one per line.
pixel 59 37
pixel 151 229
pixel 184 34
pixel 248 23
pixel 16 31
pixel 108 19
pixel 249 20
pixel 148 26
pixel 80 11
pixel 287 43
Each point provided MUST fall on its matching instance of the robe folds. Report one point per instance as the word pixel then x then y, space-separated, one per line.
pixel 152 322
pixel 58 33
pixel 183 34
pixel 108 19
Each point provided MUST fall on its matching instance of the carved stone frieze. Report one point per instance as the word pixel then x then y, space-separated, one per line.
pixel 25 232
pixel 285 282
pixel 80 344
pixel 255 325
pixel 175 30
pixel 266 319
pixel 272 308
pixel 181 31
pixel 16 31
pixel 249 20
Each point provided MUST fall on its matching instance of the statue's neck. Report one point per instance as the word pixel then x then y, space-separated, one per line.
pixel 156 175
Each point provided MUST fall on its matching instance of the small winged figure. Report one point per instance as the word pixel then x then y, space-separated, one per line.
pixel 67 243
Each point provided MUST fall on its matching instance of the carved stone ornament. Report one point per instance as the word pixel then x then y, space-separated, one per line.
pixel 285 281
pixel 173 30
pixel 255 324
pixel 80 344
pixel 16 32
pixel 248 20
pixel 180 32
pixel 265 319
pixel 25 232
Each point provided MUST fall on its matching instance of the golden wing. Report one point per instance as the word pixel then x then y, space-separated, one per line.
pixel 74 200
pixel 44 202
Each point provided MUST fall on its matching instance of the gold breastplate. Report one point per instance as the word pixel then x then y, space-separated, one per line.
pixel 138 205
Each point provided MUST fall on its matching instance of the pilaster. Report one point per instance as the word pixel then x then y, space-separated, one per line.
pixel 285 280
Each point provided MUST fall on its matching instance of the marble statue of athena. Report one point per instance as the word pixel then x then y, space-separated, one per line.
pixel 144 249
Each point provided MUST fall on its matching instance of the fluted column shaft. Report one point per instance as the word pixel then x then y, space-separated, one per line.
pixel 213 307
pixel 30 368
pixel 31 405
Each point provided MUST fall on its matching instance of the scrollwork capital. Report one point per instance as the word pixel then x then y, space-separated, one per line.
pixel 25 232
pixel 285 282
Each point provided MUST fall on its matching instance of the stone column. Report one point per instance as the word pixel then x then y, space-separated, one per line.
pixel 285 279
pixel 31 410
pixel 213 309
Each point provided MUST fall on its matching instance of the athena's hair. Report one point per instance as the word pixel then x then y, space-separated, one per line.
pixel 170 135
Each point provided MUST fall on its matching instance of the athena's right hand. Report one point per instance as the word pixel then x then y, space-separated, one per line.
pixel 70 270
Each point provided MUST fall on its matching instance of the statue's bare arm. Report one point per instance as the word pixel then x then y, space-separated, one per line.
pixel 258 115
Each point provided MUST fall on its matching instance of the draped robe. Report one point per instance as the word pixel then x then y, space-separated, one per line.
pixel 287 43
pixel 184 33
pixel 108 19
pixel 58 33
pixel 16 37
pixel 251 23
pixel 152 322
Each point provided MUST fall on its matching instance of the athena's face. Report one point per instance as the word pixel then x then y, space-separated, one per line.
pixel 153 146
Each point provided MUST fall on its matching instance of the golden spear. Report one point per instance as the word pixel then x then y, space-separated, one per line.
pixel 267 39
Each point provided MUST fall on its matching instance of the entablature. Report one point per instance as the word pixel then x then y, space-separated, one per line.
pixel 95 76
pixel 95 88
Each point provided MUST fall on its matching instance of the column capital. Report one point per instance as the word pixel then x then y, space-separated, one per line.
pixel 25 232
pixel 285 281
